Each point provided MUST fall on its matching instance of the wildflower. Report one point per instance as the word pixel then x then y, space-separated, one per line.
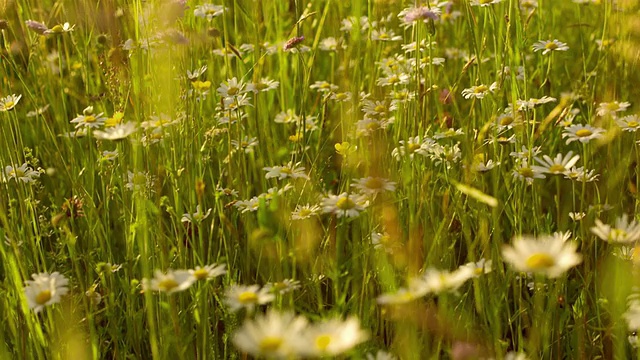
pixel 118 132
pixel 88 119
pixel 344 205
pixel 382 34
pixel 171 282
pixel 247 297
pixel 208 272
pixel 525 153
pixel 479 91
pixel 412 15
pixel 373 185
pixel 208 11
pixel 198 216
pixel 611 108
pixel 328 44
pixel 248 205
pixel 305 212
pixel 38 111
pixel 231 87
pixel 24 173
pixel 109 155
pixel 245 145
pixel 629 123
pixel 580 174
pixel 448 133
pixel 60 28
pixel 577 216
pixel 9 102
pixel 138 181
pixel 527 173
pixel 547 255
pixel 439 281
pixel 323 86
pixel 290 170
pixel 375 108
pixel 582 133
pixel 272 335
pixel 45 289
pixel 340 96
pixel 481 166
pixel 287 117
pixel 548 46
pixel 417 288
pixel 533 102
pixel 284 286
pixel 331 337
pixel 383 241
pixel 558 165
pixel 414 145
pixel 624 231
pixel 263 85
pixel 484 3
pixel 483 266
pixel 195 74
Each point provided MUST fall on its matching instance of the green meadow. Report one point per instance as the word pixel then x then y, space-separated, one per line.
pixel 281 179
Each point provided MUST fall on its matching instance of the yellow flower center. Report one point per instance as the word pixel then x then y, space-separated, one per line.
pixel 485 1
pixel 480 89
pixel 345 203
pixel 270 344
pixel 248 297
pixel 613 106
pixel 43 297
pixel 413 147
pixel 304 212
pixel 167 284
pixel 526 172
pixel 551 46
pixel 90 119
pixel 374 183
pixel 233 90
pixel 618 234
pixel 261 86
pixel 201 274
pixel 341 96
pixel 9 104
pixel 383 36
pixel 632 124
pixel 380 108
pixel 584 132
pixel 557 168
pixel 540 261
pixel 374 125
pixel 323 341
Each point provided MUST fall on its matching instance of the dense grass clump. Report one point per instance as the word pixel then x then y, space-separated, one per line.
pixel 325 179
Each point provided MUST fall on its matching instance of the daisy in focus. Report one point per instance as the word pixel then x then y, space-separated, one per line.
pixel 479 91
pixel 558 165
pixel 547 255
pixel 547 46
pixel 582 133
pixel 344 205
pixel 45 289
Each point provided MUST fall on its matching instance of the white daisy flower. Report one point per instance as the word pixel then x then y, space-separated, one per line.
pixel 558 165
pixel 373 185
pixel 611 108
pixel 547 255
pixel 290 170
pixel 45 289
pixel 629 123
pixel 208 272
pixel 247 297
pixel 24 173
pixel 582 133
pixel 548 46
pixel 484 3
pixel 209 11
pixel 523 171
pixel 197 216
pixel 623 231
pixel 348 205
pixel 479 91
pixel 170 282
pixel 9 102
pixel 305 212
pixel 88 119
pixel 272 336
pixel 331 337
pixel 118 132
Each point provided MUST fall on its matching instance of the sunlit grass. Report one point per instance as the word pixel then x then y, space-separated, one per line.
pixel 355 179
